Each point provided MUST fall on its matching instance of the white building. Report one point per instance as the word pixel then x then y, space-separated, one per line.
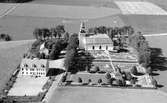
pixel 39 67
pixel 94 41
pixel 34 67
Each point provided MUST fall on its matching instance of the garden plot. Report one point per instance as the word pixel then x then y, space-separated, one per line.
pixel 27 86
pixel 140 8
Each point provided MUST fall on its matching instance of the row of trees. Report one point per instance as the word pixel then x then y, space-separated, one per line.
pixel 71 54
pixel 5 37
pixel 45 33
pixel 125 30
pixel 139 43
pixel 117 34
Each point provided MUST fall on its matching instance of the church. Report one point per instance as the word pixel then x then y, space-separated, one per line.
pixel 94 41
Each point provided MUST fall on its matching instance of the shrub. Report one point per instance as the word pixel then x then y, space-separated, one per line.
pixel 134 70
pixel 94 69
pixel 89 80
pixel 128 76
pixel 79 80
pixel 154 82
pixel 110 81
pixel 63 79
pixel 108 76
pixel 100 81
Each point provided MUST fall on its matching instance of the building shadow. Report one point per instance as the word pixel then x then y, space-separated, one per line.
pixel 158 61
pixel 54 71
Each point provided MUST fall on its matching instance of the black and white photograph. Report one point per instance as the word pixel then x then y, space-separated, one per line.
pixel 83 51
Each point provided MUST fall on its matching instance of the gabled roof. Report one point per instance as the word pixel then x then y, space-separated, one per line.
pixel 98 39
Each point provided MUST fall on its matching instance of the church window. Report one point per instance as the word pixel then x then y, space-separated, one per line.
pixel 93 47
pixel 100 47
pixel 106 47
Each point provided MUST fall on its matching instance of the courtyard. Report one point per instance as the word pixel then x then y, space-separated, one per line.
pixel 27 86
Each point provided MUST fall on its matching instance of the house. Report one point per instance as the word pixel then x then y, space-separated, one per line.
pixel 40 67
pixel 94 41
pixel 34 67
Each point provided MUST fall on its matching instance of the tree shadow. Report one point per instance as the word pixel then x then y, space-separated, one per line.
pixel 160 86
pixel 158 61
pixel 154 74
pixel 55 71
pixel 84 61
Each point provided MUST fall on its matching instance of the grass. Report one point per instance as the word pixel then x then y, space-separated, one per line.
pixel 106 95
pixel 10 54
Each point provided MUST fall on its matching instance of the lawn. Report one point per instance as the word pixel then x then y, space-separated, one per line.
pixel 10 54
pixel 29 86
pixel 106 95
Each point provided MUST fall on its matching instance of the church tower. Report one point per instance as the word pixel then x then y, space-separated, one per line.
pixel 81 35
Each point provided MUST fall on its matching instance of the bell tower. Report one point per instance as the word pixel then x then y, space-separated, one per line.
pixel 81 35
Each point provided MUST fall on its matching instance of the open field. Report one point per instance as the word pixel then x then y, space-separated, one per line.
pixel 53 11
pixel 106 95
pixel 146 24
pixel 10 54
pixel 104 3
pixel 140 8
pixel 26 25
pixel 29 86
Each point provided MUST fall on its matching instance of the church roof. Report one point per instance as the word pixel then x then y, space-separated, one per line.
pixel 98 39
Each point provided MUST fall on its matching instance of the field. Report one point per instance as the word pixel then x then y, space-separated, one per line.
pixel 26 25
pixel 104 3
pixel 106 95
pixel 146 24
pixel 10 54
pixel 140 8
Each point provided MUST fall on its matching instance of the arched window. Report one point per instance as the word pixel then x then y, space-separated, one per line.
pixel 93 47
pixel 25 65
pixel 100 47
pixel 34 66
pixel 43 66
pixel 106 47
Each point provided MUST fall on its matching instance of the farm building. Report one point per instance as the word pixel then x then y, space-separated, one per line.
pixel 94 41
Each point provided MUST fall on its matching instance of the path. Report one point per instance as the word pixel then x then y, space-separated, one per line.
pixel 52 89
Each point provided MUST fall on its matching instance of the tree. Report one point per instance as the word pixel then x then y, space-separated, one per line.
pixel 60 30
pixel 100 81
pixel 154 82
pixel 37 33
pixel 70 61
pixel 66 37
pixel 134 70
pixel 53 32
pixel 73 42
pixel 108 76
